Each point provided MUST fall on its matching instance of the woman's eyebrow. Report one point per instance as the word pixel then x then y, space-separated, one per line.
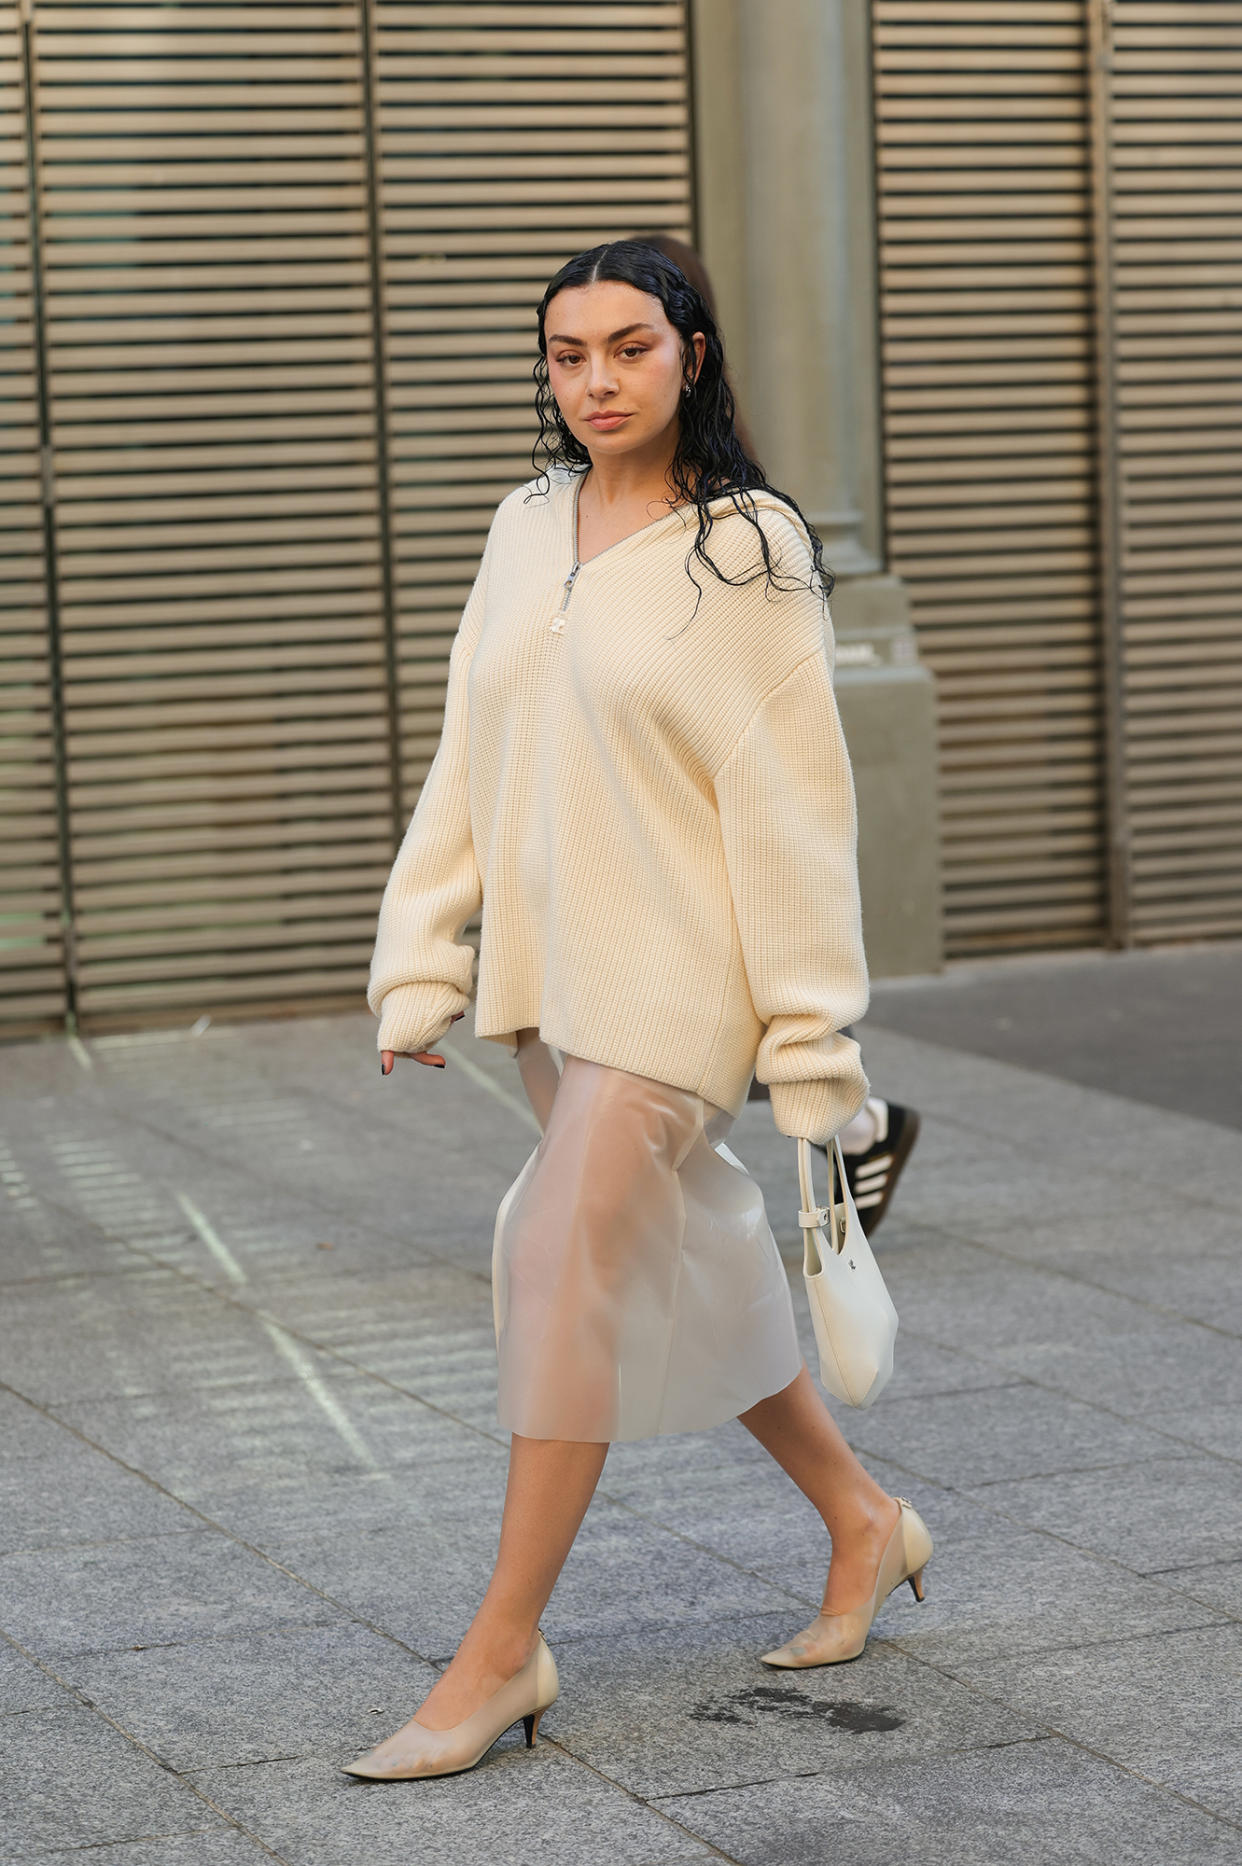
pixel 614 338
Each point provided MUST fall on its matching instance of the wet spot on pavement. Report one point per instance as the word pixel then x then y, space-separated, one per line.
pixel 744 1707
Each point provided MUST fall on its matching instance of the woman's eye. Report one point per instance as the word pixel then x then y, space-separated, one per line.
pixel 570 356
pixel 634 349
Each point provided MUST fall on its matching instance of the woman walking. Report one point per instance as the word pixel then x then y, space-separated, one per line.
pixel 643 784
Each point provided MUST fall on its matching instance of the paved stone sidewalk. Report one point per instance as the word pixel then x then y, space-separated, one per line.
pixel 250 1480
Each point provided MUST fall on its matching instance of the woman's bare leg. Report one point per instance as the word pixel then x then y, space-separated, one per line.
pixel 551 1482
pixel 797 1429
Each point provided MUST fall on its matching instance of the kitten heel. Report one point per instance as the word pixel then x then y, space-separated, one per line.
pixel 916 1585
pixel 416 1751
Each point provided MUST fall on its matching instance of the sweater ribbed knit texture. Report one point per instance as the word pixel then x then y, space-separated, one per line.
pixel 655 810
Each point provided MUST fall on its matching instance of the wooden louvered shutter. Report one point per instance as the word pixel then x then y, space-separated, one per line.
pixel 204 198
pixel 510 137
pixel 984 224
pixel 1173 401
pixel 32 988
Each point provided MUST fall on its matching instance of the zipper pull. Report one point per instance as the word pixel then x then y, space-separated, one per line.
pixel 560 618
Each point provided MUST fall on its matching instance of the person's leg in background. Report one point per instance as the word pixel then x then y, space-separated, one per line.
pixel 875 1146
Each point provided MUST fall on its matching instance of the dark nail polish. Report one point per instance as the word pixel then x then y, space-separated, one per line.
pixel 440 1065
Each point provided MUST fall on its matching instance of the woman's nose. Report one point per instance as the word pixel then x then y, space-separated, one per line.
pixel 601 381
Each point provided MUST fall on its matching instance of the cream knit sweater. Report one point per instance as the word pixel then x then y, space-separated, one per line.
pixel 654 809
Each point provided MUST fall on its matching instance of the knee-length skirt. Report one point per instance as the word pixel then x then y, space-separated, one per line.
pixel 637 1287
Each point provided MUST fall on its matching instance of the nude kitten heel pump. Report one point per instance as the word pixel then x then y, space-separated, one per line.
pixel 416 1751
pixel 835 1637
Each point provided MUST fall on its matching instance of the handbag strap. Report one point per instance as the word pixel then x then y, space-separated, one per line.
pixel 832 1218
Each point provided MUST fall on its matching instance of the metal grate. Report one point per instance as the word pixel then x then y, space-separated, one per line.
pixel 1173 97
pixel 203 187
pixel 983 183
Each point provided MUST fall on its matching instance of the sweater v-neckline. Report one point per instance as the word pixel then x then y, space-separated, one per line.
pixel 583 564
pixel 762 497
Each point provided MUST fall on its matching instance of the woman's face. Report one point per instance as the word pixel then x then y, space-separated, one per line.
pixel 615 366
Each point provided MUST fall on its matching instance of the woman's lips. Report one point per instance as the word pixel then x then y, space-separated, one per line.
pixel 607 421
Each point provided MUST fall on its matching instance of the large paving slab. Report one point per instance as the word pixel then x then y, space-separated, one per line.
pixel 25 1686
pixel 201 1444
pixel 1167 1704
pixel 426 1328
pixel 68 1779
pixel 220 1846
pixel 1042 1801
pixel 142 1331
pixel 985 1436
pixel 516 1808
pixel 80 1495
pixel 1161 1514
pixel 148 1591
pixel 1217 1583
pixel 233 1700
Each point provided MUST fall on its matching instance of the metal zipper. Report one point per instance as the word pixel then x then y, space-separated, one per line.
pixel 560 618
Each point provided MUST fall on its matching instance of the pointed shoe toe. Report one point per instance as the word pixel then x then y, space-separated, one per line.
pixel 415 1751
pixel 830 1639
pixel 373 1767
pixel 835 1638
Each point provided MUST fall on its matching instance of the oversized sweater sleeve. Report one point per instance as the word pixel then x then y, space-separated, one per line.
pixel 422 969
pixel 789 821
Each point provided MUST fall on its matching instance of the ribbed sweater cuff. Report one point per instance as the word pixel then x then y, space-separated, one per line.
pixel 413 1017
pixel 817 1110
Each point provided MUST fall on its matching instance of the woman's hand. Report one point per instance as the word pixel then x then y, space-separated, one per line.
pixel 389 1057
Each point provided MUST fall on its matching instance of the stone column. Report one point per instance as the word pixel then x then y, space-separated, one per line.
pixel 802 383
pixel 785 186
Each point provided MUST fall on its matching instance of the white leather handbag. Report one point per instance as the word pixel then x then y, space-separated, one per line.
pixel 851 1309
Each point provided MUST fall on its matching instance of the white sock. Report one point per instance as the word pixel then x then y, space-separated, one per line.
pixel 869 1125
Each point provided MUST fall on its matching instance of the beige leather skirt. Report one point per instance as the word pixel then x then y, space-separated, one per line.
pixel 637 1287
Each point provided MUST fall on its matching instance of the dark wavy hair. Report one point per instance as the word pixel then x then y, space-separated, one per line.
pixel 710 461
